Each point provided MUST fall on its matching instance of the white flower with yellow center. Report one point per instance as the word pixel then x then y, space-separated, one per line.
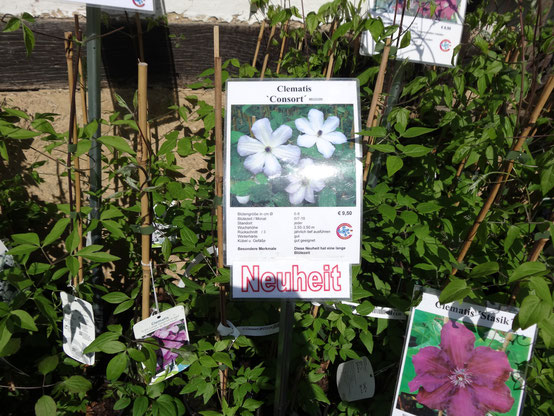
pixel 319 132
pixel 265 151
pixel 307 179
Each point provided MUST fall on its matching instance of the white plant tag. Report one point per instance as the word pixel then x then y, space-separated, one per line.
pixel 169 328
pixel 355 380
pixel 78 328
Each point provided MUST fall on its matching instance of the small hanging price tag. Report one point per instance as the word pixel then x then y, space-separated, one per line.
pixel 78 328
pixel 169 330
pixel 355 380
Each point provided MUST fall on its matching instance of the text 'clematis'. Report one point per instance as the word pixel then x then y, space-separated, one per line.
pixel 460 379
pixel 264 151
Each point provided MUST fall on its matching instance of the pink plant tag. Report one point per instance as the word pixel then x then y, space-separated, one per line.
pixel 169 330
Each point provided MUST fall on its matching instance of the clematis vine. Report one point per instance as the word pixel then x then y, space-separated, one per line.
pixel 319 132
pixel 459 378
pixel 172 337
pixel 267 148
pixel 304 182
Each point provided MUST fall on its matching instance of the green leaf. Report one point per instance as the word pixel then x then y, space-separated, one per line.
pixel 374 132
pixel 427 207
pixel 541 288
pixel 122 307
pixel 251 404
pixel 547 179
pixel 456 290
pixel 115 297
pixel 223 357
pixel 385 148
pixel 406 40
pixel 13 24
pixel 48 364
pixel 22 249
pixel 29 39
pixel 394 164
pixel 533 310
pixel 56 231
pixel 77 384
pixel 188 236
pixel 387 212
pixel 45 406
pixel 546 327
pixel 72 241
pixel 527 269
pixel 24 320
pixel 414 150
pixel 122 403
pixel 511 235
pixel 137 355
pixel 116 366
pixel 26 238
pixel 118 143
pixel 140 406
pixel 319 394
pixel 416 131
pixel 375 27
pixel 112 347
pixel 99 257
pixel 99 341
pixel 72 264
pixel 484 269
pixel 367 340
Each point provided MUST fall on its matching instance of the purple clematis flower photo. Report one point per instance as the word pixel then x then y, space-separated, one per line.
pixel 460 379
pixel 268 147
pixel 319 132
pixel 169 338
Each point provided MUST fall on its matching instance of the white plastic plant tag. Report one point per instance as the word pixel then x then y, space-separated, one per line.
pixel 355 380
pixel 169 329
pixel 78 328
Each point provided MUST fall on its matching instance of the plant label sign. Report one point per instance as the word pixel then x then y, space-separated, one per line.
pixel 462 359
pixel 292 188
pixel 135 5
pixel 435 28
pixel 169 330
pixel 78 328
pixel 355 380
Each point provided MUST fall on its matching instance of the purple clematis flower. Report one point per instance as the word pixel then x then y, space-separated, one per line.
pixel 460 379
pixel 445 9
pixel 169 337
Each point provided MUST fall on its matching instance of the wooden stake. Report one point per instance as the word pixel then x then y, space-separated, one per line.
pixel 328 72
pixel 219 188
pixel 143 158
pixel 283 43
pixel 505 172
pixel 266 57
pixel 260 37
pixel 371 120
pixel 71 81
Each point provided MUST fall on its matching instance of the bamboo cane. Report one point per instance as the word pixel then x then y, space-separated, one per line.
pixel 71 80
pixel 283 43
pixel 144 156
pixel 371 120
pixel 219 188
pixel 503 175
pixel 82 86
pixel 260 37
pixel 266 57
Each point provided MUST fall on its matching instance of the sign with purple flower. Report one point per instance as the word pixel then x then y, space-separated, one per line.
pixel 462 359
pixel 167 329
pixel 435 28
pixel 293 170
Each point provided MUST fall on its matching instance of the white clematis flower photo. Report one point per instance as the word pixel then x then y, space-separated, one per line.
pixel 265 151
pixel 304 182
pixel 319 132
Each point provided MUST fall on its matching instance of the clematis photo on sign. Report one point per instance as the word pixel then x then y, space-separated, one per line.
pixel 462 360
pixel 293 155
